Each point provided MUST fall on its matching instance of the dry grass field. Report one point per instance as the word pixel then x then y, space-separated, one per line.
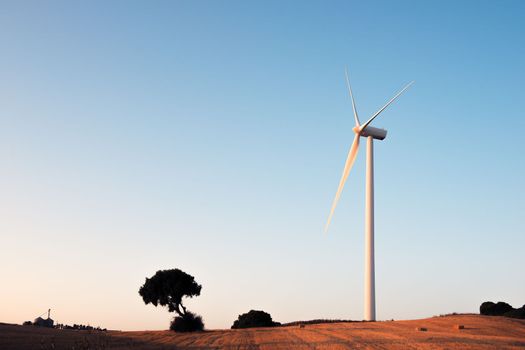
pixel 480 332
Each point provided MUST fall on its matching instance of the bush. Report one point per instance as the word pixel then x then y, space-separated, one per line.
pixel 486 308
pixel 187 323
pixel 27 323
pixel 516 313
pixel 491 309
pixel 254 318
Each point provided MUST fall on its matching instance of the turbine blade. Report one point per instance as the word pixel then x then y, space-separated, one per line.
pixel 387 104
pixel 352 97
pixel 348 166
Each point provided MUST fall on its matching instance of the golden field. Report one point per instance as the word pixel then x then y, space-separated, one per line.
pixel 480 332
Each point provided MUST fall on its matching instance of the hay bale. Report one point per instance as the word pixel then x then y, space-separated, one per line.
pixel 421 329
pixel 459 326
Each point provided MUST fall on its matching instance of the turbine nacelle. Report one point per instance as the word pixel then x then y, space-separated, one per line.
pixel 376 133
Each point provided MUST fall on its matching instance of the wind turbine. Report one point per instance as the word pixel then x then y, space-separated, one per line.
pixel 371 133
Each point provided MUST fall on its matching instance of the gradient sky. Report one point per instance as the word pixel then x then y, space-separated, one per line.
pixel 211 136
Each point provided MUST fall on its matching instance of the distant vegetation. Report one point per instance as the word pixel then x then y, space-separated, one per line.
pixel 254 318
pixel 317 321
pixel 167 288
pixel 79 327
pixel 501 309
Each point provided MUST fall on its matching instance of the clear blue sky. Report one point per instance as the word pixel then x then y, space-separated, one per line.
pixel 211 135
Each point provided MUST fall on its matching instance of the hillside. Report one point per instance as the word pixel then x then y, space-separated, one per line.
pixel 481 332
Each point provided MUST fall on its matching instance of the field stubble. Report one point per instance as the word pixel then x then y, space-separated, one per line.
pixel 480 332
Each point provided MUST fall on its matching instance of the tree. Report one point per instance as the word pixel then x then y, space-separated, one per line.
pixel 167 288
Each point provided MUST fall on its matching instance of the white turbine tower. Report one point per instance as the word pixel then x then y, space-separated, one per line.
pixel 371 133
